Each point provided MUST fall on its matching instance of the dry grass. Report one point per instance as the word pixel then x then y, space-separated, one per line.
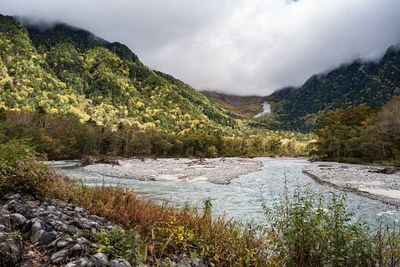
pixel 169 231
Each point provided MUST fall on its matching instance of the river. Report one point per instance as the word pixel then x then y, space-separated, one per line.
pixel 242 199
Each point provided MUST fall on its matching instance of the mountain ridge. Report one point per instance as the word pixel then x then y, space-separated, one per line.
pixel 352 84
pixel 67 70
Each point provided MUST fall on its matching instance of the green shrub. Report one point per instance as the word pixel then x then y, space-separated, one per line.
pixel 20 172
pixel 14 150
pixel 310 230
pixel 119 244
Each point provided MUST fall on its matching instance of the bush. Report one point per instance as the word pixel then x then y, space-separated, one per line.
pixel 35 179
pixel 20 172
pixel 15 150
pixel 310 230
pixel 119 244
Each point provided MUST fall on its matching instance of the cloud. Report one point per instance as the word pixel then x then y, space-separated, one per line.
pixel 233 46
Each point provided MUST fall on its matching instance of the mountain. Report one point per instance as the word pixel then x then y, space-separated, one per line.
pixel 66 70
pixel 369 83
pixel 242 106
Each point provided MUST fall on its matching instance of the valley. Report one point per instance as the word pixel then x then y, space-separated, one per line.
pixel 147 170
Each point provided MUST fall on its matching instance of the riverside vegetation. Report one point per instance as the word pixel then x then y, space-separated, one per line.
pixel 359 134
pixel 301 230
pixel 65 137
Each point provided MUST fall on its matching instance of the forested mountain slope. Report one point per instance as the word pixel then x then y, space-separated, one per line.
pixel 369 83
pixel 61 69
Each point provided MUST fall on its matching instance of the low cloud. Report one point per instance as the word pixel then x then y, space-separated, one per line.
pixel 233 46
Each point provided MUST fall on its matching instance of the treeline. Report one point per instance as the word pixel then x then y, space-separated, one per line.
pixel 360 134
pixel 66 137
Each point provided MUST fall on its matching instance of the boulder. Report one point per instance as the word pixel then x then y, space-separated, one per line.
pixel 36 237
pixel 47 238
pixel 12 196
pixel 17 219
pixel 100 259
pixel 10 250
pixel 120 263
pixel 5 220
pixel 82 262
pixel 59 256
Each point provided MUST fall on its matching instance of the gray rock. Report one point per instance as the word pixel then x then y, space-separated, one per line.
pixel 11 251
pixel 64 242
pixel 59 256
pixel 36 237
pixel 82 262
pixel 4 211
pixel 17 219
pixel 36 226
pixel 120 263
pixel 76 248
pixel 51 208
pixel 83 241
pixel 41 223
pixel 5 220
pixel 32 204
pixel 63 227
pixel 12 196
pixel 47 238
pixel 79 209
pixel 100 259
pixel 73 229
pixel 11 205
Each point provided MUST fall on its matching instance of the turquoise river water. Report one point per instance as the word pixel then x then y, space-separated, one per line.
pixel 241 200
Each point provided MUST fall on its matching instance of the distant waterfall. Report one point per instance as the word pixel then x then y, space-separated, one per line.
pixel 266 110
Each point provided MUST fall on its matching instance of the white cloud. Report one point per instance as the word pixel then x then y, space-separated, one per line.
pixel 242 47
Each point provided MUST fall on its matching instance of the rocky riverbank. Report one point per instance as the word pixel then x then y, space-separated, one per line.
pixel 367 180
pixel 219 170
pixel 34 233
pixel 54 233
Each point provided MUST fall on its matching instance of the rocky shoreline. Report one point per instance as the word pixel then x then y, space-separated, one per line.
pixel 50 233
pixel 366 180
pixel 55 233
pixel 218 170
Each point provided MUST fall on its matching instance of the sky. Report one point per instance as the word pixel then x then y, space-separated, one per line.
pixel 244 47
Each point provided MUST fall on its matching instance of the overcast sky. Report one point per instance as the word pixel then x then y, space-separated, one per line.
pixel 233 46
